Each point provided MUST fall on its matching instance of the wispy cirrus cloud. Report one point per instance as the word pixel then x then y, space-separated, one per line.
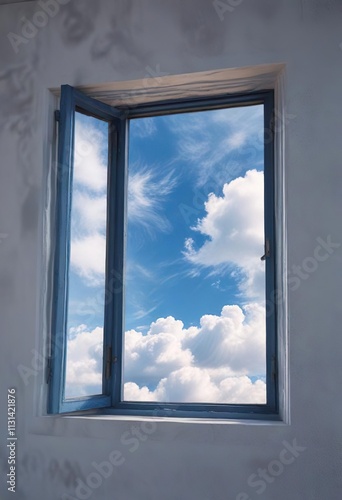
pixel 147 192
pixel 143 127
pixel 212 142
pixel 146 195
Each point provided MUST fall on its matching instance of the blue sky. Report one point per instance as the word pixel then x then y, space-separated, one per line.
pixel 194 280
pixel 170 285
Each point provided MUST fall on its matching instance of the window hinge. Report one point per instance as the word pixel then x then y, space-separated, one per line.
pixel 267 250
pixel 57 115
pixel 48 370
pixel 108 362
pixel 274 368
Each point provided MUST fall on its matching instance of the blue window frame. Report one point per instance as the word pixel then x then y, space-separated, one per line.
pixel 109 398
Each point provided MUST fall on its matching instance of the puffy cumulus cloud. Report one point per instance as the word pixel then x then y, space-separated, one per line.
pixel 194 385
pixel 187 384
pixel 213 362
pixel 149 358
pixel 234 340
pixel 234 228
pixel 132 392
pixel 174 361
pixel 146 193
pixel 241 390
pixel 190 384
pixel 84 362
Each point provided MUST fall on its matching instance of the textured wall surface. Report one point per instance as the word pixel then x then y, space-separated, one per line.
pixel 88 42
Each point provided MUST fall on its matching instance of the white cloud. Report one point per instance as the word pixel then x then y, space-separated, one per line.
pixel 242 390
pixel 87 257
pixel 135 393
pixel 235 341
pixel 89 205
pixel 213 362
pixel 194 385
pixel 91 213
pixel 142 313
pixel 234 228
pixel 216 139
pixel 244 118
pixel 149 358
pixel 237 139
pixel 143 127
pixel 90 157
pixel 146 193
pixel 84 362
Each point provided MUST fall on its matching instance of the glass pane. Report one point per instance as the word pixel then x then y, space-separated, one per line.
pixel 87 258
pixel 195 284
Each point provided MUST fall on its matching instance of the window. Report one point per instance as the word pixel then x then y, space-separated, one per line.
pixel 164 267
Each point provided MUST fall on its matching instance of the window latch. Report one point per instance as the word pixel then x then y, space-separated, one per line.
pixel 267 250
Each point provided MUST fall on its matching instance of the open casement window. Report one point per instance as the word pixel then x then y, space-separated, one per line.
pixel 164 264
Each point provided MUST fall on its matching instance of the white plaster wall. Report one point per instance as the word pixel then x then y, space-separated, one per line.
pixel 92 42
